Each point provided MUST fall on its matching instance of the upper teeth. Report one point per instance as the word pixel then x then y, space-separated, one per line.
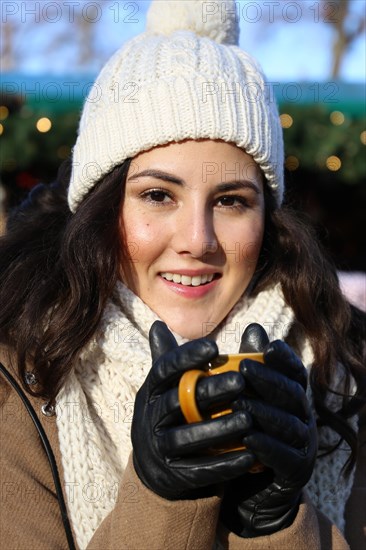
pixel 188 281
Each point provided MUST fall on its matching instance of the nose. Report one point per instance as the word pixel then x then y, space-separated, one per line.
pixel 195 233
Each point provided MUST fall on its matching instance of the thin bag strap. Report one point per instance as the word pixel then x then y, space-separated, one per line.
pixel 48 449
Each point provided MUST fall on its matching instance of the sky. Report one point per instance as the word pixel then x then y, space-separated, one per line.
pixel 291 40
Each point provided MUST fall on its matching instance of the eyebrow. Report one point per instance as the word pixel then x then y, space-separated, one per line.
pixel 158 175
pixel 224 186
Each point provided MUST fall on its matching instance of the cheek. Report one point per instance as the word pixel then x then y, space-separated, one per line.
pixel 141 238
pixel 247 244
pixel 251 253
pixel 253 243
pixel 254 246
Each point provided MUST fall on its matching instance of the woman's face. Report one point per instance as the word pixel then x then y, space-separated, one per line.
pixel 193 221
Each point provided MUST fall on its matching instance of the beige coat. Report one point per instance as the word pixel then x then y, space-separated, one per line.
pixel 30 516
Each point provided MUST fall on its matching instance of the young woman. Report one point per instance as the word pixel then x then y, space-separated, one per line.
pixel 164 243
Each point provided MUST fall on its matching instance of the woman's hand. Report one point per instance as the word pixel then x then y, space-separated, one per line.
pixel 167 452
pixel 284 439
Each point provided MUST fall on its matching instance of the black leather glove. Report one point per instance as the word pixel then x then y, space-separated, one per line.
pixel 166 451
pixel 284 438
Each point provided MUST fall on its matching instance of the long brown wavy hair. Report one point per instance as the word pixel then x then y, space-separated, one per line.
pixel 57 271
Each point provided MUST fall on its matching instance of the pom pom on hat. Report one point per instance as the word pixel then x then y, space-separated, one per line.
pixel 216 20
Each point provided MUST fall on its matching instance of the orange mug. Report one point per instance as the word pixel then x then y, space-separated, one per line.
pixel 187 393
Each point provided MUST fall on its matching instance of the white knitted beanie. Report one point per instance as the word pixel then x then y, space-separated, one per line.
pixel 184 78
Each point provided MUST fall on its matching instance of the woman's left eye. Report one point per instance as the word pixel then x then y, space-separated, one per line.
pixel 232 201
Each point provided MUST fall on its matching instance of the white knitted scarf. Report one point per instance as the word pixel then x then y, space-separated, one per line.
pixel 94 408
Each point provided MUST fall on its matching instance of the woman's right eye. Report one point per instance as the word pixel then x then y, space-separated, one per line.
pixel 156 196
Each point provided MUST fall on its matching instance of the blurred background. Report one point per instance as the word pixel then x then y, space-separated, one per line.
pixel 313 53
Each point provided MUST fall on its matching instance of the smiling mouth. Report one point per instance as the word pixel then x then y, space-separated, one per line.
pixel 186 280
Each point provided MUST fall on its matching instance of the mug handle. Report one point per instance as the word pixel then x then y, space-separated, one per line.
pixel 189 379
pixel 187 395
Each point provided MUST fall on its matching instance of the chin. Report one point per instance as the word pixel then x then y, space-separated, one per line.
pixel 186 330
